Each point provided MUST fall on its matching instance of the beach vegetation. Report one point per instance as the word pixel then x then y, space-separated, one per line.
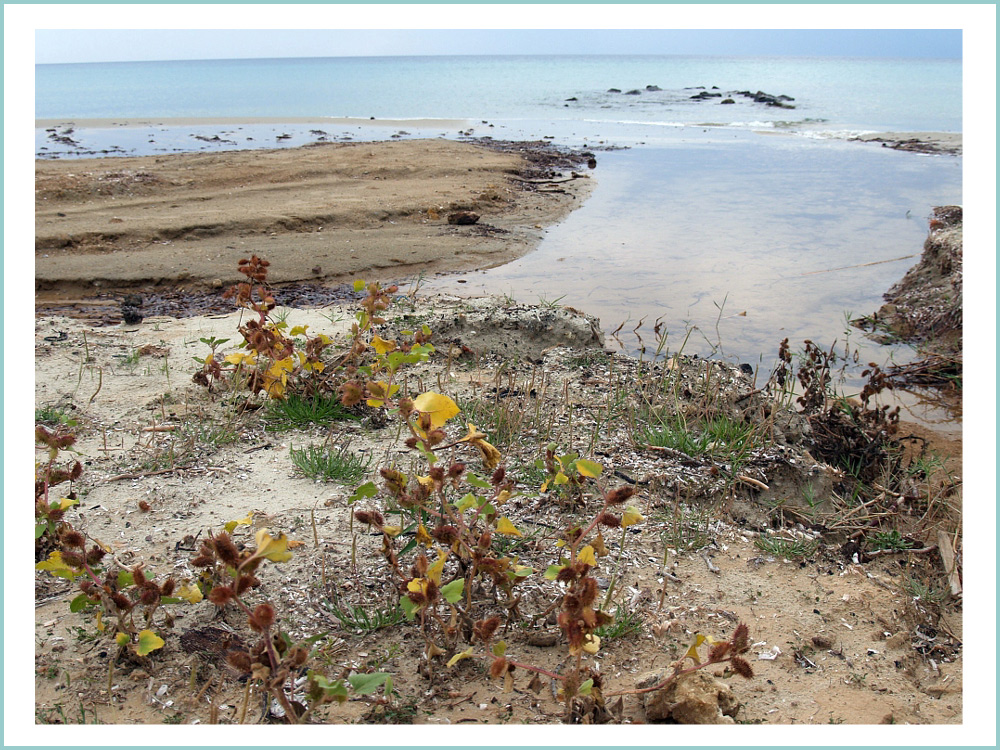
pixel 327 463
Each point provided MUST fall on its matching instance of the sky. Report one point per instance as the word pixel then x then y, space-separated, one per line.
pixel 113 45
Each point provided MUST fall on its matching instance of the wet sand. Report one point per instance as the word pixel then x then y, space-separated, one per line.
pixel 324 213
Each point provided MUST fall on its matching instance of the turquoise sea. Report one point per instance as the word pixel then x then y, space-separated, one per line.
pixel 748 222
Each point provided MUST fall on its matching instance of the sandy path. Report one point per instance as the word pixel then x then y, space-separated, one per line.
pixel 325 212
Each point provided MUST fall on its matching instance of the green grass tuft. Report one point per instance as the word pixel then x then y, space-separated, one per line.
pixel 296 412
pixel 330 464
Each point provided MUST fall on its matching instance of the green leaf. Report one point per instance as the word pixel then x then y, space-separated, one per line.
pixel 452 592
pixel 80 603
pixel 586 687
pixel 366 684
pixel 409 545
pixel 368 489
pixel 322 688
pixel 121 639
pixel 476 481
pixel 148 642
pixel 500 648
pixel 521 571
pixel 553 571
pixel 125 579
pixel 587 468
pixel 469 501
pixel 359 284
pixel 409 608
pixel 40 529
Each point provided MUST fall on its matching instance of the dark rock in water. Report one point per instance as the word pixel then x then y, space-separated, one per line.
pixel 572 99
pixel 633 92
pixel 132 309
pixel 614 91
pixel 463 217
pixel 591 163
pixel 769 99
pixel 653 87
pixel 746 369
pixel 705 95
pixel 728 101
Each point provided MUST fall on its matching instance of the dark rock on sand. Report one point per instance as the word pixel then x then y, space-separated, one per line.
pixel 463 217
pixel 633 92
pixel 132 309
pixel 614 91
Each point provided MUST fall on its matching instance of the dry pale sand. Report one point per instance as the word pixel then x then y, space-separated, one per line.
pixel 326 212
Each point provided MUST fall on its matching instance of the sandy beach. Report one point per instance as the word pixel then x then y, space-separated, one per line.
pixel 324 213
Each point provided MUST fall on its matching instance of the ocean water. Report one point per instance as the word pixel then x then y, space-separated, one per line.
pixel 741 222
pixel 569 94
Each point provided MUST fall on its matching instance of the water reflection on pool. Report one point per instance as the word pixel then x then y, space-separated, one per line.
pixel 748 242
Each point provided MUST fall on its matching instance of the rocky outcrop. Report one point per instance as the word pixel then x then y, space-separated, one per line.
pixel 769 99
pixel 696 698
pixel 925 306
pixel 487 326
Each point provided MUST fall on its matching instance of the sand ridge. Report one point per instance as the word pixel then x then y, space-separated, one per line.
pixel 327 212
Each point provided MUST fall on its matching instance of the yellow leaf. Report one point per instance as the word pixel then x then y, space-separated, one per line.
pixel 426 482
pixel 631 516
pixel 474 434
pixel 588 468
pixel 298 330
pixel 148 641
pixel 121 639
pixel 293 543
pixel 230 526
pixel 586 555
pixel 592 643
pixel 189 592
pixel 560 479
pixel 459 656
pixel 57 567
pixel 440 408
pixel 274 549
pixel 692 652
pixel 239 358
pixel 382 346
pixel 392 530
pixel 281 366
pixel 504 526
pixel 423 537
pixel 435 570
pixel 100 625
pixel 503 497
pixel 490 455
pixel 67 502
pixel 417 585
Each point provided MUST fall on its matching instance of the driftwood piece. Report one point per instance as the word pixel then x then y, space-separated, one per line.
pixel 947 552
